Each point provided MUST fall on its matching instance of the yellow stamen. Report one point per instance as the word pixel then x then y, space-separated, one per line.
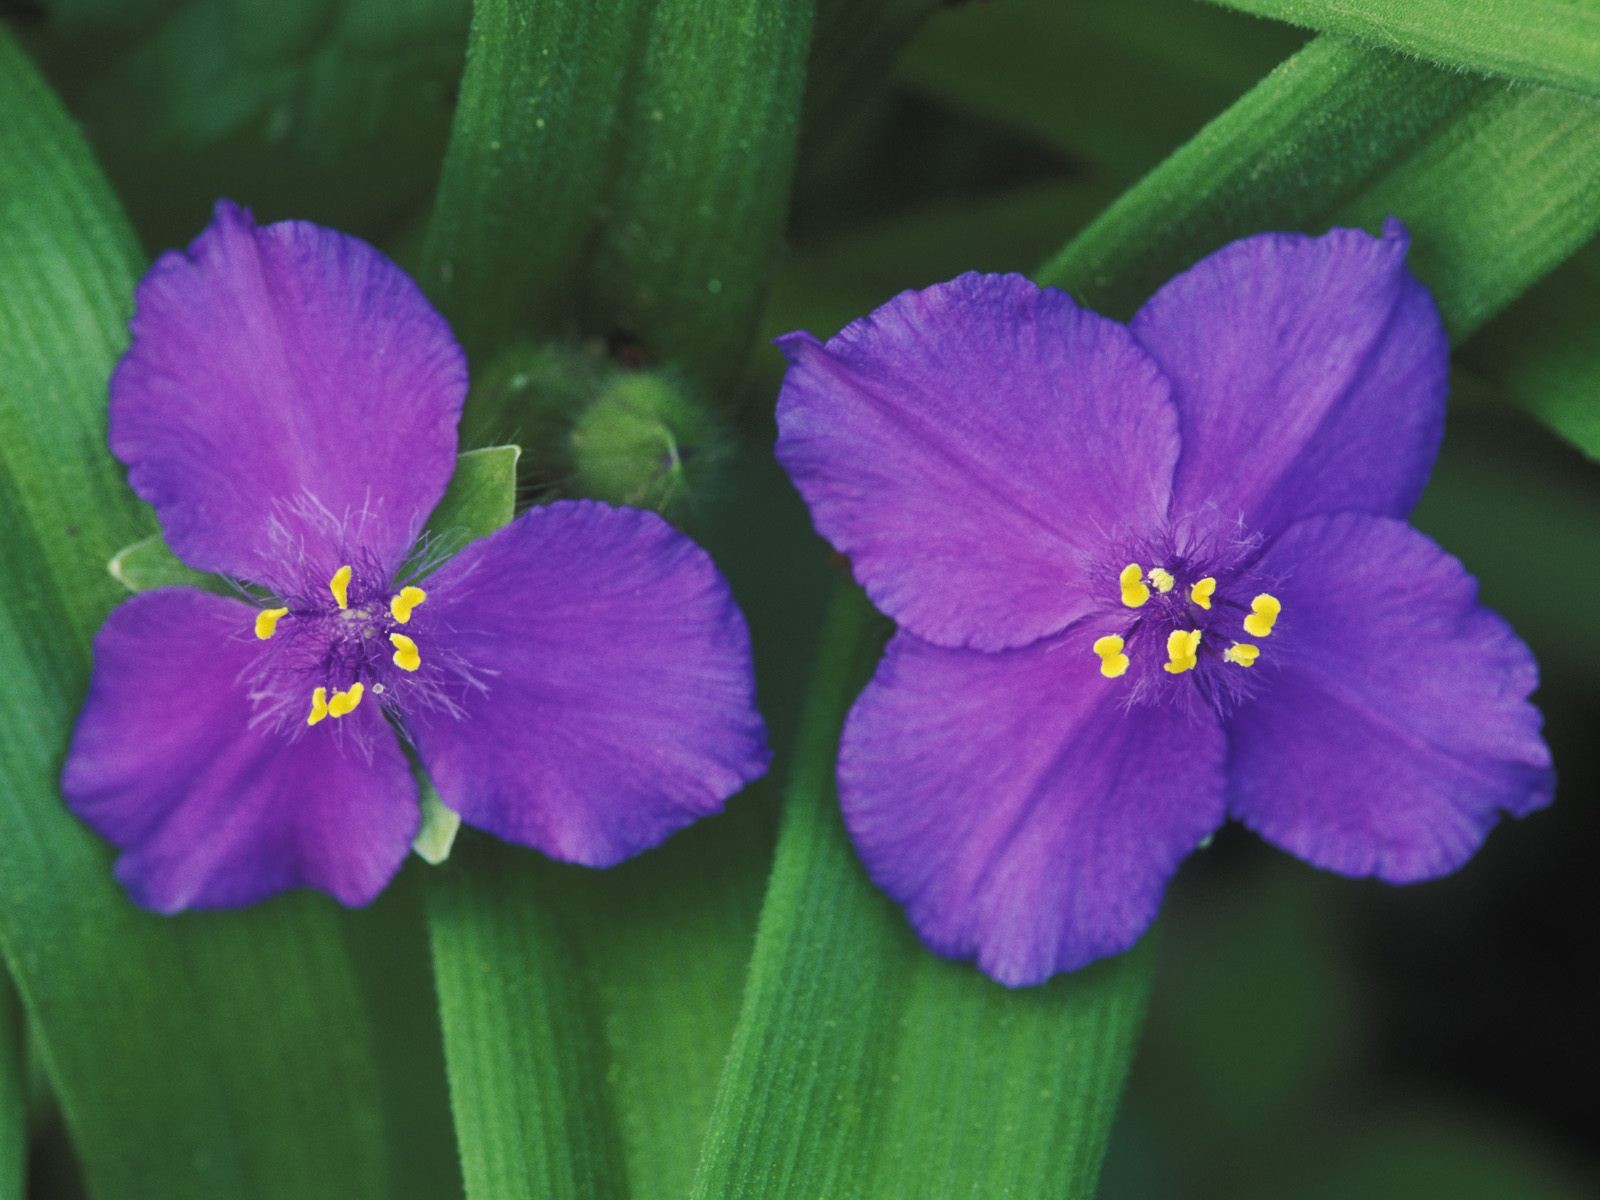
pixel 405 652
pixel 1134 591
pixel 401 605
pixel 1182 648
pixel 319 706
pixel 344 703
pixel 339 585
pixel 1113 661
pixel 267 621
pixel 1242 653
pixel 1162 579
pixel 1202 592
pixel 1264 610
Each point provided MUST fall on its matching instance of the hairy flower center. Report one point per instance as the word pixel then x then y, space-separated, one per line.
pixel 1191 623
pixel 337 649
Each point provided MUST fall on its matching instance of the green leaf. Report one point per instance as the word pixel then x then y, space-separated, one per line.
pixel 1544 351
pixel 1497 183
pixel 1553 42
pixel 865 1066
pixel 707 147
pixel 522 1043
pixel 1495 200
pixel 328 110
pixel 1326 123
pixel 528 164
pixel 186 1093
pixel 13 1097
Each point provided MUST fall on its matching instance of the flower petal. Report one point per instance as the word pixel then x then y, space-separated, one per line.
pixel 612 698
pixel 969 446
pixel 288 388
pixel 1309 375
pixel 1017 808
pixel 210 813
pixel 1397 727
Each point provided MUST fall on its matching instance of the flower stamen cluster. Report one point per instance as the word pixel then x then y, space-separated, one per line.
pixel 343 661
pixel 1183 642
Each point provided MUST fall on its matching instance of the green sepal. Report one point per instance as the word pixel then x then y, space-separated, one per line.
pixel 440 824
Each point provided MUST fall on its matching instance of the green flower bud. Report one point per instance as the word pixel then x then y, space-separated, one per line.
pixel 643 442
pixel 591 428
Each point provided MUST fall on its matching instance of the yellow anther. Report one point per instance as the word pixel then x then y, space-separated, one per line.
pixel 1161 579
pixel 1264 610
pixel 267 621
pixel 405 652
pixel 1202 592
pixel 1242 653
pixel 339 585
pixel 343 703
pixel 1113 661
pixel 319 706
pixel 1182 648
pixel 1134 591
pixel 400 606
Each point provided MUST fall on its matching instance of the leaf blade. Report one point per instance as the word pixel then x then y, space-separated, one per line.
pixel 533 134
pixel 183 1096
pixel 1532 41
pixel 697 200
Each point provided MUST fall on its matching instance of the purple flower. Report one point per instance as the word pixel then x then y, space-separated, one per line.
pixel 1147 578
pixel 578 682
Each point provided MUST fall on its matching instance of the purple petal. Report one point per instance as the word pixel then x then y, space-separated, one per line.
pixel 288 389
pixel 969 446
pixel 1017 808
pixel 1309 375
pixel 210 813
pixel 1396 727
pixel 612 697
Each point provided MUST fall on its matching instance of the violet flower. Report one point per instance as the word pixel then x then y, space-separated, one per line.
pixel 1147 578
pixel 578 682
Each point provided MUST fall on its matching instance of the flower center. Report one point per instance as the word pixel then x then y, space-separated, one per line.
pixel 1188 621
pixel 335 649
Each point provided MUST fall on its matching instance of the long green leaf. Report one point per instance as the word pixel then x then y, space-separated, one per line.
pixel 863 1065
pixel 1553 42
pixel 1496 200
pixel 1498 183
pixel 1325 124
pixel 529 159
pixel 522 1042
pixel 707 149
pixel 239 1063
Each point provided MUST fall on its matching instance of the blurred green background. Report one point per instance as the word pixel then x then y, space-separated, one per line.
pixel 1308 1036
